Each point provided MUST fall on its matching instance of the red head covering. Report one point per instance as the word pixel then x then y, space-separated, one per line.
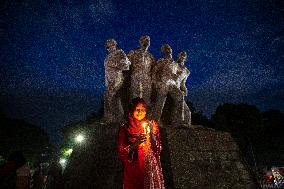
pixel 134 126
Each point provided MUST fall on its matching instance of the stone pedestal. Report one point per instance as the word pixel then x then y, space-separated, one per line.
pixel 94 163
pixel 203 158
pixel 193 157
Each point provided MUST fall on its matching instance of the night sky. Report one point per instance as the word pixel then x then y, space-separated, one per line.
pixel 52 52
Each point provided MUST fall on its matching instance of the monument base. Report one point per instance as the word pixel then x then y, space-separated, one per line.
pixel 194 157
pixel 200 157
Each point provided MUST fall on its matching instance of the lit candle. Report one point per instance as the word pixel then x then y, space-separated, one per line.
pixel 148 129
pixel 145 128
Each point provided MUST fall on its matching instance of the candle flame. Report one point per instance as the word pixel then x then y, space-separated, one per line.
pixel 146 127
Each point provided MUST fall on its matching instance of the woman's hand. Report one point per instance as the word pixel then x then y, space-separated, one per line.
pixel 142 138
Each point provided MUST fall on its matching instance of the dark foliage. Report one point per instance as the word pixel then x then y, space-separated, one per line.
pixel 96 115
pixel 259 134
pixel 238 119
pixel 198 118
pixel 18 135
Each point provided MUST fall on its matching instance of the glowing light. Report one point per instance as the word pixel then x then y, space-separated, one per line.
pixel 144 125
pixel 79 138
pixel 146 128
pixel 68 152
pixel 62 161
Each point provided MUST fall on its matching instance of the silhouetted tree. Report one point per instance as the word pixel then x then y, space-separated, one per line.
pixel 22 136
pixel 273 121
pixel 197 117
pixel 98 115
pixel 239 119
pixel 271 148
pixel 244 122
pixel 259 135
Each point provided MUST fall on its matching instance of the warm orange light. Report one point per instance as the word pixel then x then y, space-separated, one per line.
pixel 144 124
pixel 146 128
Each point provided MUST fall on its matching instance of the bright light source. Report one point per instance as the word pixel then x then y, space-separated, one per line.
pixel 68 152
pixel 79 138
pixel 62 161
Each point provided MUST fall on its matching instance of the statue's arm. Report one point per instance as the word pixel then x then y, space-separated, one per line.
pixel 155 69
pixel 120 61
pixel 124 61
pixel 153 63
pixel 182 85
pixel 153 60
pixel 174 76
pixel 130 56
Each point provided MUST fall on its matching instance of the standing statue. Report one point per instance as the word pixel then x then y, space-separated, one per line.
pixel 115 62
pixel 183 74
pixel 165 77
pixel 141 64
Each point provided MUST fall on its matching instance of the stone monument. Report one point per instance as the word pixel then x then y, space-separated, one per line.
pixel 193 157
pixel 141 65
pixel 165 82
pixel 183 74
pixel 115 62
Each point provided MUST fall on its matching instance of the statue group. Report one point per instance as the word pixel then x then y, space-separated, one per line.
pixel 140 75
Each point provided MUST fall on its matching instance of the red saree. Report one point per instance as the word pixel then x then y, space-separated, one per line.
pixel 142 167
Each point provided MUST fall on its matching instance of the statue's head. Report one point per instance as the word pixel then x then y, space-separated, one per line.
pixel 166 49
pixel 145 42
pixel 111 44
pixel 181 58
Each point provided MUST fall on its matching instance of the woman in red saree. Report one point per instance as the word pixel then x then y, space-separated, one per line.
pixel 139 148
